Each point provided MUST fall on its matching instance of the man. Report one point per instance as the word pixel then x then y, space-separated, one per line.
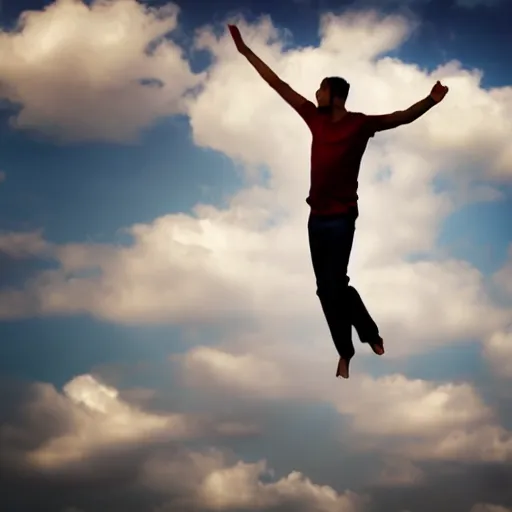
pixel 339 141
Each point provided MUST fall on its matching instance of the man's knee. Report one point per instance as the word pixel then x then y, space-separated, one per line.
pixel 332 288
pixel 352 292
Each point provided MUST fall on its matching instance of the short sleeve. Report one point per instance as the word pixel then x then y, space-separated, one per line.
pixel 308 112
pixel 369 124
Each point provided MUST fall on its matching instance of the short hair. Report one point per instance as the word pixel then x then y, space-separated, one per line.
pixel 338 87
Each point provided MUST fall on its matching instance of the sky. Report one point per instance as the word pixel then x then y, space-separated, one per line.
pixel 161 344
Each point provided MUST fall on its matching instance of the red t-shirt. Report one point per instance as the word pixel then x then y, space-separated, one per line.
pixel 336 152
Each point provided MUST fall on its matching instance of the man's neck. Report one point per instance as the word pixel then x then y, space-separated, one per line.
pixel 338 112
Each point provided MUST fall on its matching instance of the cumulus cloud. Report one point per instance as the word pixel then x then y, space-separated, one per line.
pixel 23 244
pixel 265 371
pixel 338 34
pixel 56 430
pixel 216 265
pixel 377 85
pixel 215 268
pixel 250 260
pixel 484 507
pixel 101 70
pixel 417 419
pixel 400 473
pixel 72 440
pixel 487 443
pixel 503 278
pixel 93 418
pixel 246 372
pixel 74 432
pixel 498 350
pixel 221 485
pixel 239 487
pixel 410 407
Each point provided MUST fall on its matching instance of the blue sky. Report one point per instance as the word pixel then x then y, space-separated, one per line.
pixel 170 340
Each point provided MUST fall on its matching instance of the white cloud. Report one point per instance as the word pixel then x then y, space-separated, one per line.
pixel 238 487
pixel 89 419
pixel 75 69
pixel 339 33
pixel 400 473
pixel 245 372
pixel 498 350
pixel 503 278
pixel 251 259
pixel 442 139
pixel 98 419
pixel 410 407
pixel 24 244
pixel 485 507
pixel 404 407
pixel 214 268
pixel 260 368
pixel 417 315
pixel 498 344
pixel 486 443
pixel 215 483
pixel 417 419
pixel 16 304
pixel 94 417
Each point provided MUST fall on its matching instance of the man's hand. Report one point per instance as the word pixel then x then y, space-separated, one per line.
pixel 283 89
pixel 389 121
pixel 438 92
pixel 237 38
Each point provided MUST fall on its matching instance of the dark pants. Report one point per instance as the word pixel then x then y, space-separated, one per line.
pixel 330 242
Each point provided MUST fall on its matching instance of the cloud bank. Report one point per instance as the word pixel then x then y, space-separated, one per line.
pixel 248 262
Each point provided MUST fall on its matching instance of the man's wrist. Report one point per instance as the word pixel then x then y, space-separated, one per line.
pixel 431 100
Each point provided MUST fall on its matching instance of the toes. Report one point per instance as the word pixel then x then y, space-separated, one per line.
pixel 342 370
pixel 378 349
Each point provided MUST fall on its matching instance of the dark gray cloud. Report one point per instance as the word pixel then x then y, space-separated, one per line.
pixel 165 475
pixel 450 487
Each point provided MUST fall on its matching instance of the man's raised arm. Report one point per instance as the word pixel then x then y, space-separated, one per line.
pixel 293 98
pixel 389 121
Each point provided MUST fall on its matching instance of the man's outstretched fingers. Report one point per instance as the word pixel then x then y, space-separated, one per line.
pixel 235 33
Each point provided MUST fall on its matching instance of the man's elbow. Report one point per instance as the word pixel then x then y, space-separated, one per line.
pixel 390 121
pixel 277 84
pixel 402 117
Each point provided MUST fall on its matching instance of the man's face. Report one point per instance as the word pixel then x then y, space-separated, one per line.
pixel 323 95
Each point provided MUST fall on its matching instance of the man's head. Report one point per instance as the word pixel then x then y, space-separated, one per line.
pixel 333 91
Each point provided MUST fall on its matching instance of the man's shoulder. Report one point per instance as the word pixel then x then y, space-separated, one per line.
pixel 308 111
pixel 357 115
pixel 357 118
pixel 310 107
pixel 363 122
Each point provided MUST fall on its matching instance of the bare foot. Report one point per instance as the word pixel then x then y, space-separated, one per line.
pixel 378 347
pixel 342 370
